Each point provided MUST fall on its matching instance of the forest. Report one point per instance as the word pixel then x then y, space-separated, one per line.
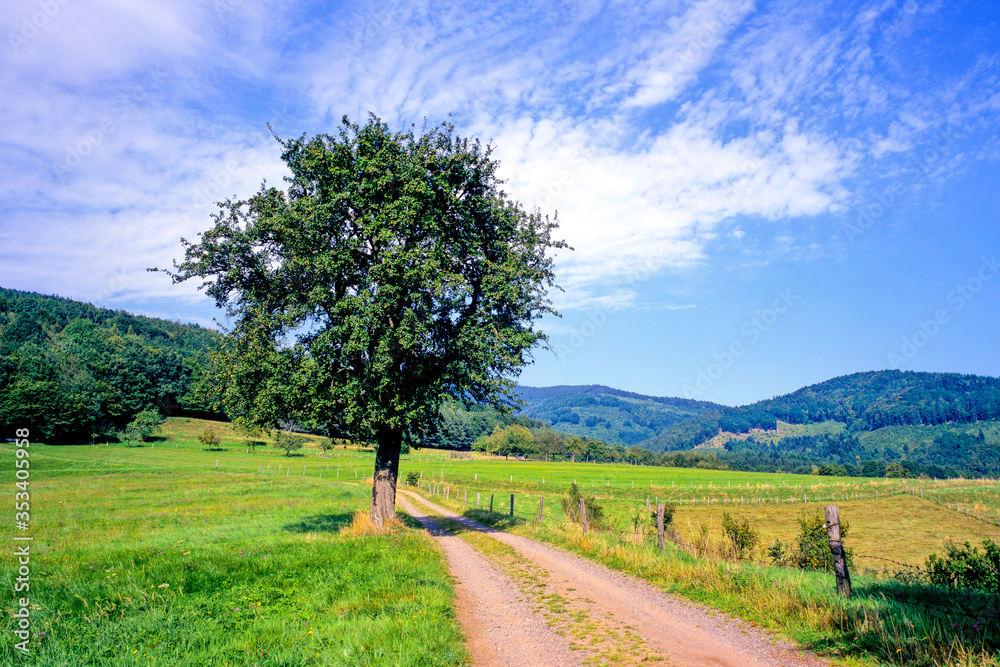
pixel 72 372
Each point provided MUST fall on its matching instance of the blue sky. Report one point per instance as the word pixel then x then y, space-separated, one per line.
pixel 760 195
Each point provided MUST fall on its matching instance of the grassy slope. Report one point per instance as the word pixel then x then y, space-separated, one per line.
pixel 151 556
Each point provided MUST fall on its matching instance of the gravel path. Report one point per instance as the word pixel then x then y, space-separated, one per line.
pixel 501 627
pixel 601 615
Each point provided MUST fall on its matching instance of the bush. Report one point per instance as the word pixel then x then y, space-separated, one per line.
pixel 967 567
pixel 571 507
pixel 668 517
pixel 742 537
pixel 812 546
pixel 413 479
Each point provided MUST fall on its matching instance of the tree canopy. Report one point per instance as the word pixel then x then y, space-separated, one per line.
pixel 391 274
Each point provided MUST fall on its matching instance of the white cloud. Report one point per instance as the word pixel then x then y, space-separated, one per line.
pixel 649 128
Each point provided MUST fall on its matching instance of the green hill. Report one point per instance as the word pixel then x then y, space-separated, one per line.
pixel 611 415
pixel 939 424
pixel 72 372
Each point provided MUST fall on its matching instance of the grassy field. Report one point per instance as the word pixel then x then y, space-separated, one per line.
pixel 151 555
pixel 903 521
pixel 172 554
pixel 893 524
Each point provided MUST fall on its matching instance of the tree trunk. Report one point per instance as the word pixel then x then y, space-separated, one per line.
pixel 386 471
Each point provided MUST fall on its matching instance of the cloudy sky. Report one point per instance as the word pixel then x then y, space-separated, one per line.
pixel 760 195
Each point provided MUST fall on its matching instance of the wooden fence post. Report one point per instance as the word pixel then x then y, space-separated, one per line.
pixel 512 504
pixel 477 500
pixel 837 548
pixel 541 508
pixel 659 526
pixel 583 514
pixel 491 503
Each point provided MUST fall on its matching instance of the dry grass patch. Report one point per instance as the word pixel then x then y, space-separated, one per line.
pixel 362 525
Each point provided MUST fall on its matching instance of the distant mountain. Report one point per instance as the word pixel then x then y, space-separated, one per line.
pixel 861 401
pixel 611 415
pixel 939 424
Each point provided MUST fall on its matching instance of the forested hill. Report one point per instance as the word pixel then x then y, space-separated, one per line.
pixel 607 414
pixel 867 401
pixel 72 372
pixel 862 402
pixel 872 424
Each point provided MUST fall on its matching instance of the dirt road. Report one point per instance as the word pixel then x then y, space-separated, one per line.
pixel 522 602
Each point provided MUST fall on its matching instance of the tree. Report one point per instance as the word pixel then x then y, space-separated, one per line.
pixel 392 274
pixel 513 439
pixel 209 438
pixel 146 423
pixel 288 442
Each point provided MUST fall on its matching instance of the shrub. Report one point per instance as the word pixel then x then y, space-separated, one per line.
pixel 571 507
pixel 742 537
pixel 146 423
pixel 811 550
pixel 413 479
pixel 967 567
pixel 668 517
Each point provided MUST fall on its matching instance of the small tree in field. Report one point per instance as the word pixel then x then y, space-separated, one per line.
pixel 251 435
pixel 288 442
pixel 393 273
pixel 742 537
pixel 209 438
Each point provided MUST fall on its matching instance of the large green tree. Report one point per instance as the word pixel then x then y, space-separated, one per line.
pixel 391 274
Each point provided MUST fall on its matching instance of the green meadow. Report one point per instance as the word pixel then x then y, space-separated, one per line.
pixel 175 555
pixel 894 523
pixel 152 555
pixel 893 526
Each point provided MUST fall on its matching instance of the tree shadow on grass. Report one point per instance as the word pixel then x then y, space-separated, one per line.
pixel 319 523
